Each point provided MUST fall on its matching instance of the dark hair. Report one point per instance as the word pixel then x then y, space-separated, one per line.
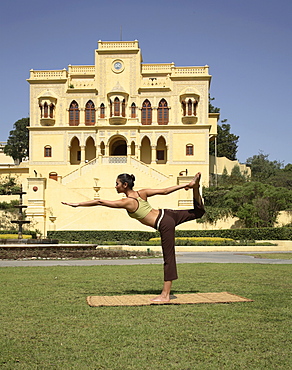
pixel 125 177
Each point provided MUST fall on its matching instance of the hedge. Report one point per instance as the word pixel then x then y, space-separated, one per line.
pixel 266 233
pixel 97 236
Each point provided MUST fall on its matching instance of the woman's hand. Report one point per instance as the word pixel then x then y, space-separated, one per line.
pixel 70 204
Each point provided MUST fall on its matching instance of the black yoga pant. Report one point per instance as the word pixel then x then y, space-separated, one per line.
pixel 166 222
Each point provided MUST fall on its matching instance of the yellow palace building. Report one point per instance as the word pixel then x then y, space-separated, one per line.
pixel 90 123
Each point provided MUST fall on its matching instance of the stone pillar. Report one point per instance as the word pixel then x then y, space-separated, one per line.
pixel 36 211
pixel 82 147
pixel 128 153
pixel 69 154
pixel 138 153
pixel 153 154
pixel 82 116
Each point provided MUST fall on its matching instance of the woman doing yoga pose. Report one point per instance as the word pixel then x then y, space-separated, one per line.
pixel 163 220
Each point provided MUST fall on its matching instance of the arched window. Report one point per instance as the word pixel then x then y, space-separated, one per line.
pixel 189 149
pixel 102 110
pixel 146 113
pixel 184 107
pixel 52 107
pixel 123 108
pixel 46 110
pixel 162 112
pixel 116 107
pixel 73 114
pixel 89 113
pixel 133 110
pixel 195 107
pixel 111 108
pixel 47 151
pixel 190 107
pixel 102 148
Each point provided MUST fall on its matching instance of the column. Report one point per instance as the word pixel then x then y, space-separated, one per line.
pixel 82 147
pixel 153 154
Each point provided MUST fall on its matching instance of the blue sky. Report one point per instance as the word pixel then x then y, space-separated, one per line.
pixel 247 45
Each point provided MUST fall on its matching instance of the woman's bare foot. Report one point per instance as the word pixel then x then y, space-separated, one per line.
pixel 161 298
pixel 165 293
pixel 195 183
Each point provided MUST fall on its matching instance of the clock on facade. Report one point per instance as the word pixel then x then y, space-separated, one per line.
pixel 118 66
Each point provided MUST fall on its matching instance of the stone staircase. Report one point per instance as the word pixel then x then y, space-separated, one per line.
pixel 120 164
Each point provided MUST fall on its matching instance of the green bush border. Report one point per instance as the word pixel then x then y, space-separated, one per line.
pixel 97 236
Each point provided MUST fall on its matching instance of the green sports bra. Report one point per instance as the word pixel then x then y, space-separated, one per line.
pixel 143 209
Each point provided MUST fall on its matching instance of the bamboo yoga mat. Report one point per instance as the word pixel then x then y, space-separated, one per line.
pixel 145 300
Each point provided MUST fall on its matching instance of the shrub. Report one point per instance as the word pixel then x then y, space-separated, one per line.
pixel 9 205
pixel 97 236
pixel 126 237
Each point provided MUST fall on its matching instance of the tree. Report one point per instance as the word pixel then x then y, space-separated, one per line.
pixel 235 178
pixel 262 168
pixel 226 142
pixel 213 109
pixel 18 141
pixel 215 205
pixel 288 168
pixel 258 204
pixel 9 185
pixel 255 203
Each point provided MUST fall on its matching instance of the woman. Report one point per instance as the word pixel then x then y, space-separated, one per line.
pixel 163 220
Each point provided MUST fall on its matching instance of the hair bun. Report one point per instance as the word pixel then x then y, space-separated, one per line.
pixel 133 177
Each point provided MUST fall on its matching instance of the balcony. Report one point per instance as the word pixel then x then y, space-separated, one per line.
pixel 187 72
pixel 57 75
pixel 117 45
pixel 48 121
pixel 153 84
pixel 117 120
pixel 81 70
pixel 162 68
pixel 189 120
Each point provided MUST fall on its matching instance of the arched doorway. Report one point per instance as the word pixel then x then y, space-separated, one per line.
pixel 75 151
pixel 90 149
pixel 145 151
pixel 118 147
pixel 161 152
pixel 133 147
pixel 102 148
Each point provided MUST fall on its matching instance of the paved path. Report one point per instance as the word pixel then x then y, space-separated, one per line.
pixel 182 257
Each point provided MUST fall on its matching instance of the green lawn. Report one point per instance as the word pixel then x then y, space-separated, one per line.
pixel 46 323
pixel 281 256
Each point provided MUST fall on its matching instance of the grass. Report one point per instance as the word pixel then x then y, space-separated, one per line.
pixel 46 323
pixel 281 256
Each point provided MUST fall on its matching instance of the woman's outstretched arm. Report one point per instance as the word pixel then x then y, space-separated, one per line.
pixel 122 203
pixel 165 191
pixel 194 184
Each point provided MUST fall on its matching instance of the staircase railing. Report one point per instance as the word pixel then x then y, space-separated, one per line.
pixel 108 160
